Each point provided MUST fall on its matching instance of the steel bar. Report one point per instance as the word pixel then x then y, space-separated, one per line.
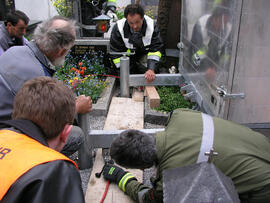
pixel 104 138
pixel 161 80
pixel 124 76
pixel 85 152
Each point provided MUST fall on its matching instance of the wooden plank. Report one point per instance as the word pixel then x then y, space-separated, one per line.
pixel 152 96
pixel 123 114
pixel 137 95
pixel 96 186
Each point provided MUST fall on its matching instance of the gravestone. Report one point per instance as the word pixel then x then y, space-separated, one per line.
pixel 198 183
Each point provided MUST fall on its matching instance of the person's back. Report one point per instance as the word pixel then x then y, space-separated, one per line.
pixel 38 178
pixel 242 153
pixel 32 169
pixel 18 64
pixel 22 63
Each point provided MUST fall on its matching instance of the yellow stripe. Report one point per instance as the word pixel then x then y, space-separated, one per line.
pixel 157 53
pixel 113 1
pixel 123 181
pixel 200 52
pixel 117 60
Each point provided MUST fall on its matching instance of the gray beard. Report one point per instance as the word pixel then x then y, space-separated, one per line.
pixel 59 61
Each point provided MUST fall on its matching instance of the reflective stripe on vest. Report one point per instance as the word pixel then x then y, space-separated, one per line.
pixel 117 62
pixel 148 34
pixel 19 154
pixel 202 22
pixel 154 55
pixel 207 137
pixel 111 3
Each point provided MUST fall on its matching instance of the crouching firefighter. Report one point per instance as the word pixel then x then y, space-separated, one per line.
pixel 243 155
pixel 137 33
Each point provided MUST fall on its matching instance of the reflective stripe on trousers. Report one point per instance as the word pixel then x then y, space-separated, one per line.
pixel 207 137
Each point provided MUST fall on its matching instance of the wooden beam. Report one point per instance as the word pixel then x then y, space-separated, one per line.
pixel 123 114
pixel 137 95
pixel 152 96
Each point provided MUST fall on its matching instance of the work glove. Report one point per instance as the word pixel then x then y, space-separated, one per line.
pixel 117 175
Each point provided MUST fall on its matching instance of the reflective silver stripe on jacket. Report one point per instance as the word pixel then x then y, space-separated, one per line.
pixel 141 193
pixel 148 34
pixel 207 137
pixel 153 57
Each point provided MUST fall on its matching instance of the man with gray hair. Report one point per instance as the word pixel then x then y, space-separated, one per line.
pixel 51 42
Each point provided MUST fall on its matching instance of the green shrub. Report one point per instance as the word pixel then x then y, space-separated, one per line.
pixel 63 7
pixel 119 13
pixel 170 99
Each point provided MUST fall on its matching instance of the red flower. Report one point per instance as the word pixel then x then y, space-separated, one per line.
pixel 83 68
pixel 73 69
pixel 81 72
pixel 74 84
pixel 80 64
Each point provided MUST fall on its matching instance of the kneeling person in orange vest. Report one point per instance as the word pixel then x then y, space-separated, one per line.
pixel 31 167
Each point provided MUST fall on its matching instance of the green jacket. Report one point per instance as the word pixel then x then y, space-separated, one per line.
pixel 243 154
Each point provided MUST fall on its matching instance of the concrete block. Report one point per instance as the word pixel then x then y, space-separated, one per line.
pixel 153 116
pixel 103 103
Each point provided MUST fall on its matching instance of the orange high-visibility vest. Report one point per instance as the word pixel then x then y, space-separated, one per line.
pixel 20 153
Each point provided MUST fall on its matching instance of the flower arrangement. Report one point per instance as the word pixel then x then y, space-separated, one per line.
pixel 83 74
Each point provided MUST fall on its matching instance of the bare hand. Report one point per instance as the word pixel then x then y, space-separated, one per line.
pixel 83 104
pixel 150 75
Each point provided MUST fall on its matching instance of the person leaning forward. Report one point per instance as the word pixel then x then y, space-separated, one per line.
pixel 31 167
pixel 13 30
pixel 137 33
pixel 52 40
pixel 243 155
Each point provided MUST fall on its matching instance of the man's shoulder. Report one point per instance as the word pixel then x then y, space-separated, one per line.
pixel 17 53
pixel 52 170
pixel 51 179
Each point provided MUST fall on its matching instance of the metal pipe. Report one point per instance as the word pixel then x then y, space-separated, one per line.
pixel 85 152
pixel 124 76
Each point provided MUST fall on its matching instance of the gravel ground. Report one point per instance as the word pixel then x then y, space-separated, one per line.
pixel 96 123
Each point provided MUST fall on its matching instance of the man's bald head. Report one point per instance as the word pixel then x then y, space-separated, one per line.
pixel 55 34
